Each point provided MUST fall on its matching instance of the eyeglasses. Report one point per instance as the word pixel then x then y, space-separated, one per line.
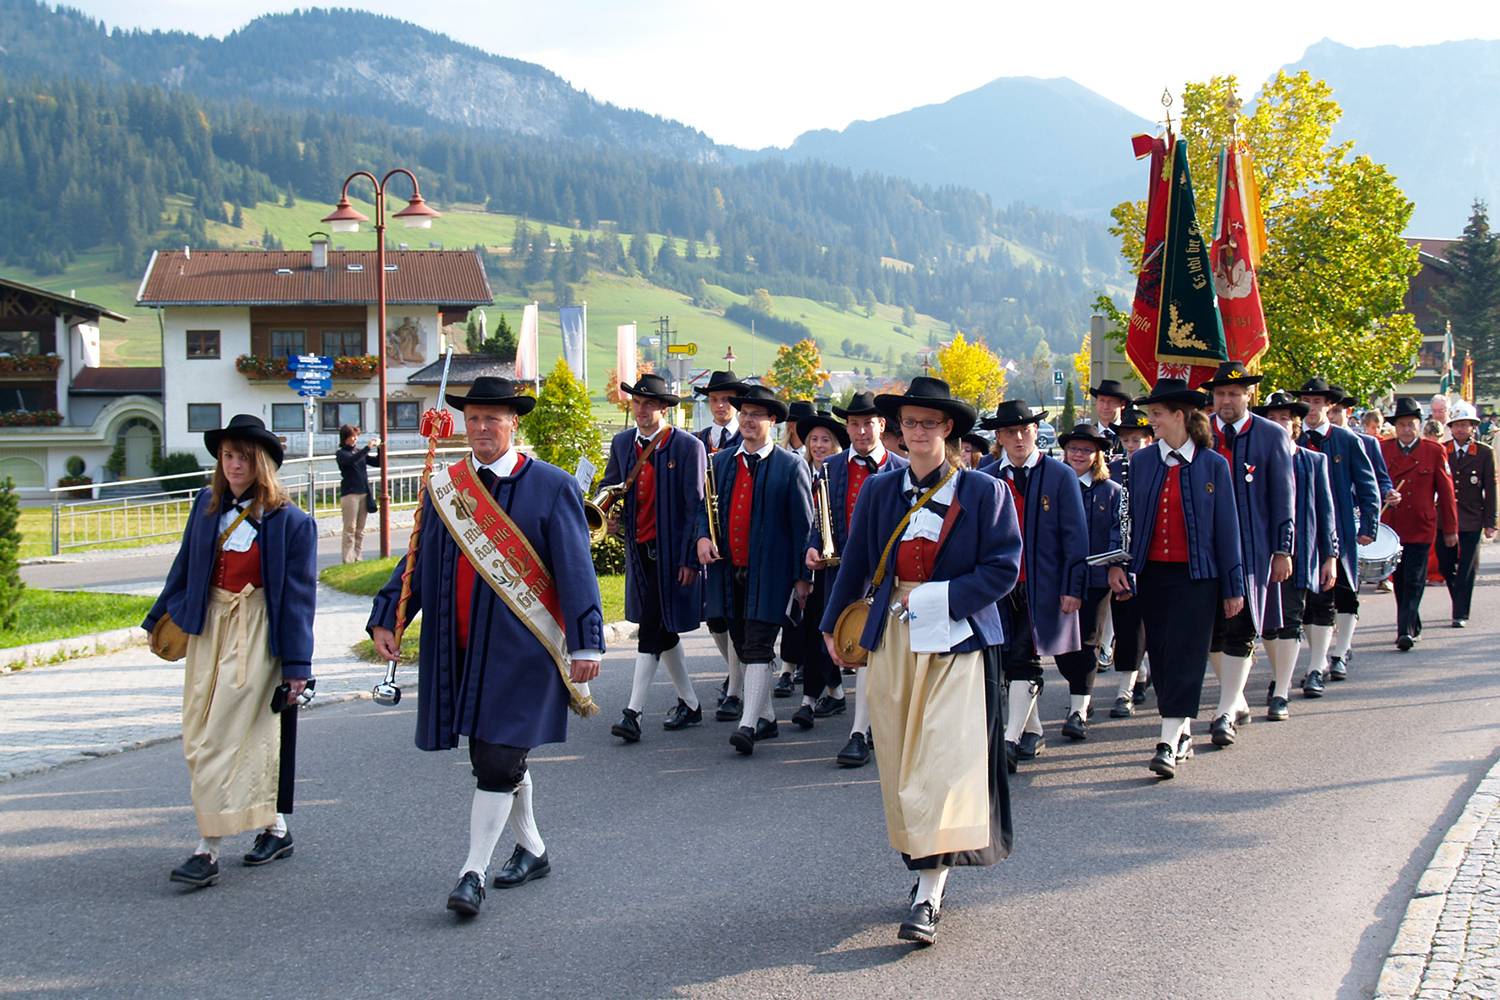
pixel 926 425
pixel 1080 449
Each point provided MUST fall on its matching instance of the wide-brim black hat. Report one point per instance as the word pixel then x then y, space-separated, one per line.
pixel 1173 390
pixel 800 408
pixel 1132 419
pixel 862 404
pixel 1279 400
pixel 1231 373
pixel 488 390
pixel 1346 398
pixel 934 394
pixel 725 381
pixel 651 386
pixel 825 420
pixel 1111 387
pixel 977 441
pixel 1407 407
pixel 1085 431
pixel 760 395
pixel 245 427
pixel 1319 386
pixel 1012 413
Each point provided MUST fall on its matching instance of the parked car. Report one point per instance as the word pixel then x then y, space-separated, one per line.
pixel 1046 436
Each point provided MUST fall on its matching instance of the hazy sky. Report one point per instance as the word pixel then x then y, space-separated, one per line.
pixel 760 74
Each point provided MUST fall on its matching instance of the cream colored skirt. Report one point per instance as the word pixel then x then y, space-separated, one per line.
pixel 230 736
pixel 927 715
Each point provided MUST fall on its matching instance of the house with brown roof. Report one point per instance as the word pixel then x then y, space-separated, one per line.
pixel 231 318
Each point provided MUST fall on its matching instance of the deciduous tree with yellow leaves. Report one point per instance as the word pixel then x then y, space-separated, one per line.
pixel 972 371
pixel 797 372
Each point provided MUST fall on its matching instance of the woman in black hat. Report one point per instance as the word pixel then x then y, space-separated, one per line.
pixel 1184 557
pixel 972 449
pixel 935 547
pixel 823 438
pixel 243 588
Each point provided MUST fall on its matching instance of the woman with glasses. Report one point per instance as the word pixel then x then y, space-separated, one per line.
pixel 823 437
pixel 935 547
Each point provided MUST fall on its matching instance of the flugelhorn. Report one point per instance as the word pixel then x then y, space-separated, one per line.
pixel 596 511
pixel 825 517
pixel 711 504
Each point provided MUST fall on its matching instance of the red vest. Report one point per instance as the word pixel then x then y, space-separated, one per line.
pixel 645 491
pixel 1020 520
pixel 1220 446
pixel 858 473
pixel 232 570
pixel 914 560
pixel 1169 533
pixel 739 514
pixel 463 590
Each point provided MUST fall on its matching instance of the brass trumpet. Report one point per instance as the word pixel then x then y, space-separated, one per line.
pixel 711 504
pixel 825 518
pixel 596 511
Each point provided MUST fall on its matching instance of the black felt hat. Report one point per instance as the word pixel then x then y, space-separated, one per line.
pixel 862 404
pixel 1173 390
pixel 826 420
pixel 977 441
pixel 1111 387
pixel 1085 431
pixel 651 386
pixel 1347 398
pixel 1320 386
pixel 761 395
pixel 1231 373
pixel 1279 400
pixel 725 381
pixel 800 408
pixel 1012 413
pixel 1132 419
pixel 489 390
pixel 245 427
pixel 934 394
pixel 1406 407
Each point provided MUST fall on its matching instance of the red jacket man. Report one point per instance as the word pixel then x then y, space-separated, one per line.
pixel 1420 471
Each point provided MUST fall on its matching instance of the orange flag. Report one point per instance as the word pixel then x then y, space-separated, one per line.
pixel 1239 241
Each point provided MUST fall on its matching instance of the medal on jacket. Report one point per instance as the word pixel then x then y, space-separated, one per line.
pixel 1046 502
pixel 1249 473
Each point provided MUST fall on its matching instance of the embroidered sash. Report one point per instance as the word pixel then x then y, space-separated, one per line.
pixel 503 558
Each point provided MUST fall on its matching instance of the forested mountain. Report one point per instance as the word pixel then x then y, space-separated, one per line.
pixel 343 60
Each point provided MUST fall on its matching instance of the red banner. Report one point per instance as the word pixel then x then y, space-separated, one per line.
pixel 1239 241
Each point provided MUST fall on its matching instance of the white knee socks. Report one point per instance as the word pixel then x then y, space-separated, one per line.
pixel 1023 699
pixel 1173 729
pixel 758 686
pixel 645 673
pixel 487 818
pixel 1127 684
pixel 278 828
pixel 523 820
pixel 1319 638
pixel 1079 703
pixel 861 706
pixel 209 846
pixel 1233 672
pixel 676 663
pixel 1283 656
pixel 737 673
pixel 721 639
pixel 1344 634
pixel 930 885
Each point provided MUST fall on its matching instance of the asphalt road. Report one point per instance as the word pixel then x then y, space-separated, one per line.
pixel 1280 867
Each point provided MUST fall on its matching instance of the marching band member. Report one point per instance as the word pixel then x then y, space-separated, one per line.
pixel 1473 468
pixel 1185 558
pixel 973 449
pixel 822 681
pixel 1260 469
pixel 662 470
pixel 723 433
pixel 1125 618
pixel 793 652
pixel 495 524
pixel 940 547
pixel 1110 398
pixel 1339 417
pixel 847 475
pixel 1420 468
pixel 765 513
pixel 1041 611
pixel 1084 450
pixel 1314 558
pixel 1331 615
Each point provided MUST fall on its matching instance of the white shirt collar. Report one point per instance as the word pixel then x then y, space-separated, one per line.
pixel 721 434
pixel 650 437
pixel 1321 429
pixel 770 446
pixel 1030 463
pixel 1239 426
pixel 503 466
pixel 877 454
pixel 1086 480
pixel 1187 451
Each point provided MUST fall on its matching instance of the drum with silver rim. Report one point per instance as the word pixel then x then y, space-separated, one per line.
pixel 1379 559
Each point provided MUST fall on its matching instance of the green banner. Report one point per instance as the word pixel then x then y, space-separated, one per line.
pixel 1189 331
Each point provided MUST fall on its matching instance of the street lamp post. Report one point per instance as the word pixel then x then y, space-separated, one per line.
pixel 345 219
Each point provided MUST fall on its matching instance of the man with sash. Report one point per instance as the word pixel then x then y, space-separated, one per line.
pixel 847 473
pixel 1110 398
pixel 1260 455
pixel 1420 469
pixel 662 471
pixel 1331 615
pixel 1041 614
pixel 1473 468
pixel 512 631
pixel 764 507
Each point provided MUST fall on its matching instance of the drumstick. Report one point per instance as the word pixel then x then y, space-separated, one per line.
pixel 1386 503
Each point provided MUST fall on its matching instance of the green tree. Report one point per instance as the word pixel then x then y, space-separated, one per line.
pixel 1034 375
pixel 702 297
pixel 561 428
pixel 1335 267
pixel 760 301
pixel 501 343
pixel 797 372
pixel 867 302
pixel 908 315
pixel 10 548
pixel 238 221
pixel 291 197
pixel 1069 411
pixel 1472 303
pixel 972 372
pixel 845 298
pixel 640 253
pixel 847 346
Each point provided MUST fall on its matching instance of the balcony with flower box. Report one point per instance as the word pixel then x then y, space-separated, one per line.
pixel 259 368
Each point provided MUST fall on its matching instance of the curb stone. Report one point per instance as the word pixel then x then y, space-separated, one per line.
pixel 72 648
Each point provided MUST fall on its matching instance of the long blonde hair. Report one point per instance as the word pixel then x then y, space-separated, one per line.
pixel 269 493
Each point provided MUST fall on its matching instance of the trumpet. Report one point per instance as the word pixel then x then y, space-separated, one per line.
pixel 825 518
pixel 596 511
pixel 711 504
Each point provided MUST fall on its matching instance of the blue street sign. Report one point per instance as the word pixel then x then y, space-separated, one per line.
pixel 311 387
pixel 308 362
pixel 314 390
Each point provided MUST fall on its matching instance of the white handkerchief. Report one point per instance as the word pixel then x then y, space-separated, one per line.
pixel 932 631
pixel 244 535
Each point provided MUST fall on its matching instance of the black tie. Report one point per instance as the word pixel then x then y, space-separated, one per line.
pixel 867 462
pixel 1018 477
pixel 1177 457
pixel 1229 436
pixel 488 478
pixel 751 461
pixel 1317 439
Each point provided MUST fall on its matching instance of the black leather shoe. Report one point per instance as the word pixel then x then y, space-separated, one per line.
pixel 723 690
pixel 1138 693
pixel 629 727
pixel 268 847
pixel 1011 757
pixel 797 676
pixel 1404 642
pixel 1338 670
pixel 1270 691
pixel 1460 623
pixel 730 709
pixel 1075 728
pixel 198 870
pixel 1222 731
pixel 743 740
pixel 783 686
pixel 920 925
pixel 1030 745
pixel 1278 710
pixel 1124 708
pixel 468 896
pixel 766 729
pixel 828 705
pixel 681 717
pixel 522 867
pixel 1184 747
pixel 1312 684
pixel 1164 763
pixel 856 752
pixel 803 717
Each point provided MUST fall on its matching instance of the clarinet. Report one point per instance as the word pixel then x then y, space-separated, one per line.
pixel 1121 554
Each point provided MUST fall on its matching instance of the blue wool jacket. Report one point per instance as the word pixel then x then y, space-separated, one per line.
pixel 1213 529
pixel 1101 506
pixel 1356 504
pixel 1261 473
pixel 1317 535
pixel 780 520
pixel 678 466
pixel 289 568
pixel 838 486
pixel 1377 461
pixel 980 556
pixel 1056 549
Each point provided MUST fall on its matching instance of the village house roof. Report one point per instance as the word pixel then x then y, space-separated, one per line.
pixel 466 368
pixel 116 382
pixel 188 277
pixel 56 302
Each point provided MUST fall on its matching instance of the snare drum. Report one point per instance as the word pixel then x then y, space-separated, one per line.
pixel 1379 559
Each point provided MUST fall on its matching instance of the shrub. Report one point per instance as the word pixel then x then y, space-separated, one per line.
pixel 10 547
pixel 192 476
pixel 609 556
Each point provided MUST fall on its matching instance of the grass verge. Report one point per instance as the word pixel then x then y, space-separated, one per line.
pixel 62 614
